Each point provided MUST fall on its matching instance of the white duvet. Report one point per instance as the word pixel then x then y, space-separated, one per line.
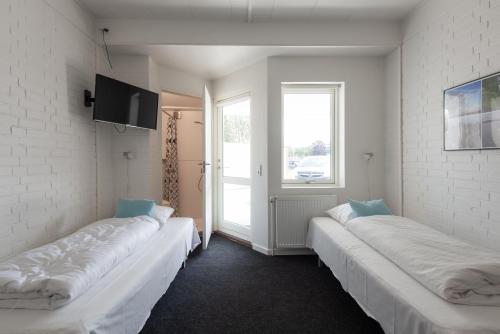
pixel 455 270
pixel 53 275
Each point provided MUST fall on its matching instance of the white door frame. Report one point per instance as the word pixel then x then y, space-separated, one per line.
pixel 207 167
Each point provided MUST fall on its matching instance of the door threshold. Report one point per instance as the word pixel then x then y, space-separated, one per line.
pixel 234 239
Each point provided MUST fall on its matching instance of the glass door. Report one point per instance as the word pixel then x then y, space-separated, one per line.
pixel 234 166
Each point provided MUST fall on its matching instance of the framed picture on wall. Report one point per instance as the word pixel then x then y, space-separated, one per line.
pixel 472 115
pixel 491 112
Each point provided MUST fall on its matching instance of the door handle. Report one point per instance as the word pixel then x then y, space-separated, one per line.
pixel 203 165
pixel 259 171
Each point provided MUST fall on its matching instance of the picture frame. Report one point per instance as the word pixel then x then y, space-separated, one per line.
pixel 471 114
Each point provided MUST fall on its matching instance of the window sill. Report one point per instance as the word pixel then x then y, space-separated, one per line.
pixel 312 186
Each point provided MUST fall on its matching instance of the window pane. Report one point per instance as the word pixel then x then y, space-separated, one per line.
pixel 236 139
pixel 237 204
pixel 307 135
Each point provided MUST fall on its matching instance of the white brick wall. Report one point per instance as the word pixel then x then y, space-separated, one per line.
pixel 47 137
pixel 448 42
pixel 392 131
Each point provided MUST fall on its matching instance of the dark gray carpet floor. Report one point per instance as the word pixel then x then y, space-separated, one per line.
pixel 230 288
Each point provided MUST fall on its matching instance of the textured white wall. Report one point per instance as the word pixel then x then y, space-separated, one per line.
pixel 104 148
pixel 392 132
pixel 47 136
pixel 364 118
pixel 155 136
pixel 128 178
pixel 181 82
pixel 448 42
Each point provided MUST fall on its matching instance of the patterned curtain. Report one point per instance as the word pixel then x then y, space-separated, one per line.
pixel 170 167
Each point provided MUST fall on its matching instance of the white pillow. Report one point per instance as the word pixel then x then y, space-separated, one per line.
pixel 342 213
pixel 161 213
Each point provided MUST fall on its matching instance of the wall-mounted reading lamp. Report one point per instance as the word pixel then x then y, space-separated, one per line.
pixel 368 156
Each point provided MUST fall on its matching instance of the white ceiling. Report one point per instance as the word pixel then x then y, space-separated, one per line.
pixel 252 10
pixel 213 62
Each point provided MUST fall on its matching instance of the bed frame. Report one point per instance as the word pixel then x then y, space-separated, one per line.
pixel 386 293
pixel 122 300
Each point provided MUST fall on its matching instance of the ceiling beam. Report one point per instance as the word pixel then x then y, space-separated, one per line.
pixel 249 12
pixel 190 32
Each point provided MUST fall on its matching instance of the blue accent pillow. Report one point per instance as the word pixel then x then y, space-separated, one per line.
pixel 134 207
pixel 369 208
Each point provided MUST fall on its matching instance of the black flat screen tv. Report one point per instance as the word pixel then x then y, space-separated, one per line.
pixel 120 103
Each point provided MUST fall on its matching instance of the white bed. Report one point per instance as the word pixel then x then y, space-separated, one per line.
pixel 397 301
pixel 122 300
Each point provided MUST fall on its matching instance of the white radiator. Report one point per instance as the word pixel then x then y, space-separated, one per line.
pixel 292 215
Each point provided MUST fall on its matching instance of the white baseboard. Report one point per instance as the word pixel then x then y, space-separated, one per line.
pixel 262 249
pixel 282 251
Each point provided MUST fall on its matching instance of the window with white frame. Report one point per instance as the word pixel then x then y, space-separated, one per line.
pixel 310 134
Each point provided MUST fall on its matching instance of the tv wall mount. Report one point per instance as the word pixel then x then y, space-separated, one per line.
pixel 87 98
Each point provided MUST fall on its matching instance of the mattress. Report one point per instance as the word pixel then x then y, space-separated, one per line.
pixel 122 300
pixel 397 301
